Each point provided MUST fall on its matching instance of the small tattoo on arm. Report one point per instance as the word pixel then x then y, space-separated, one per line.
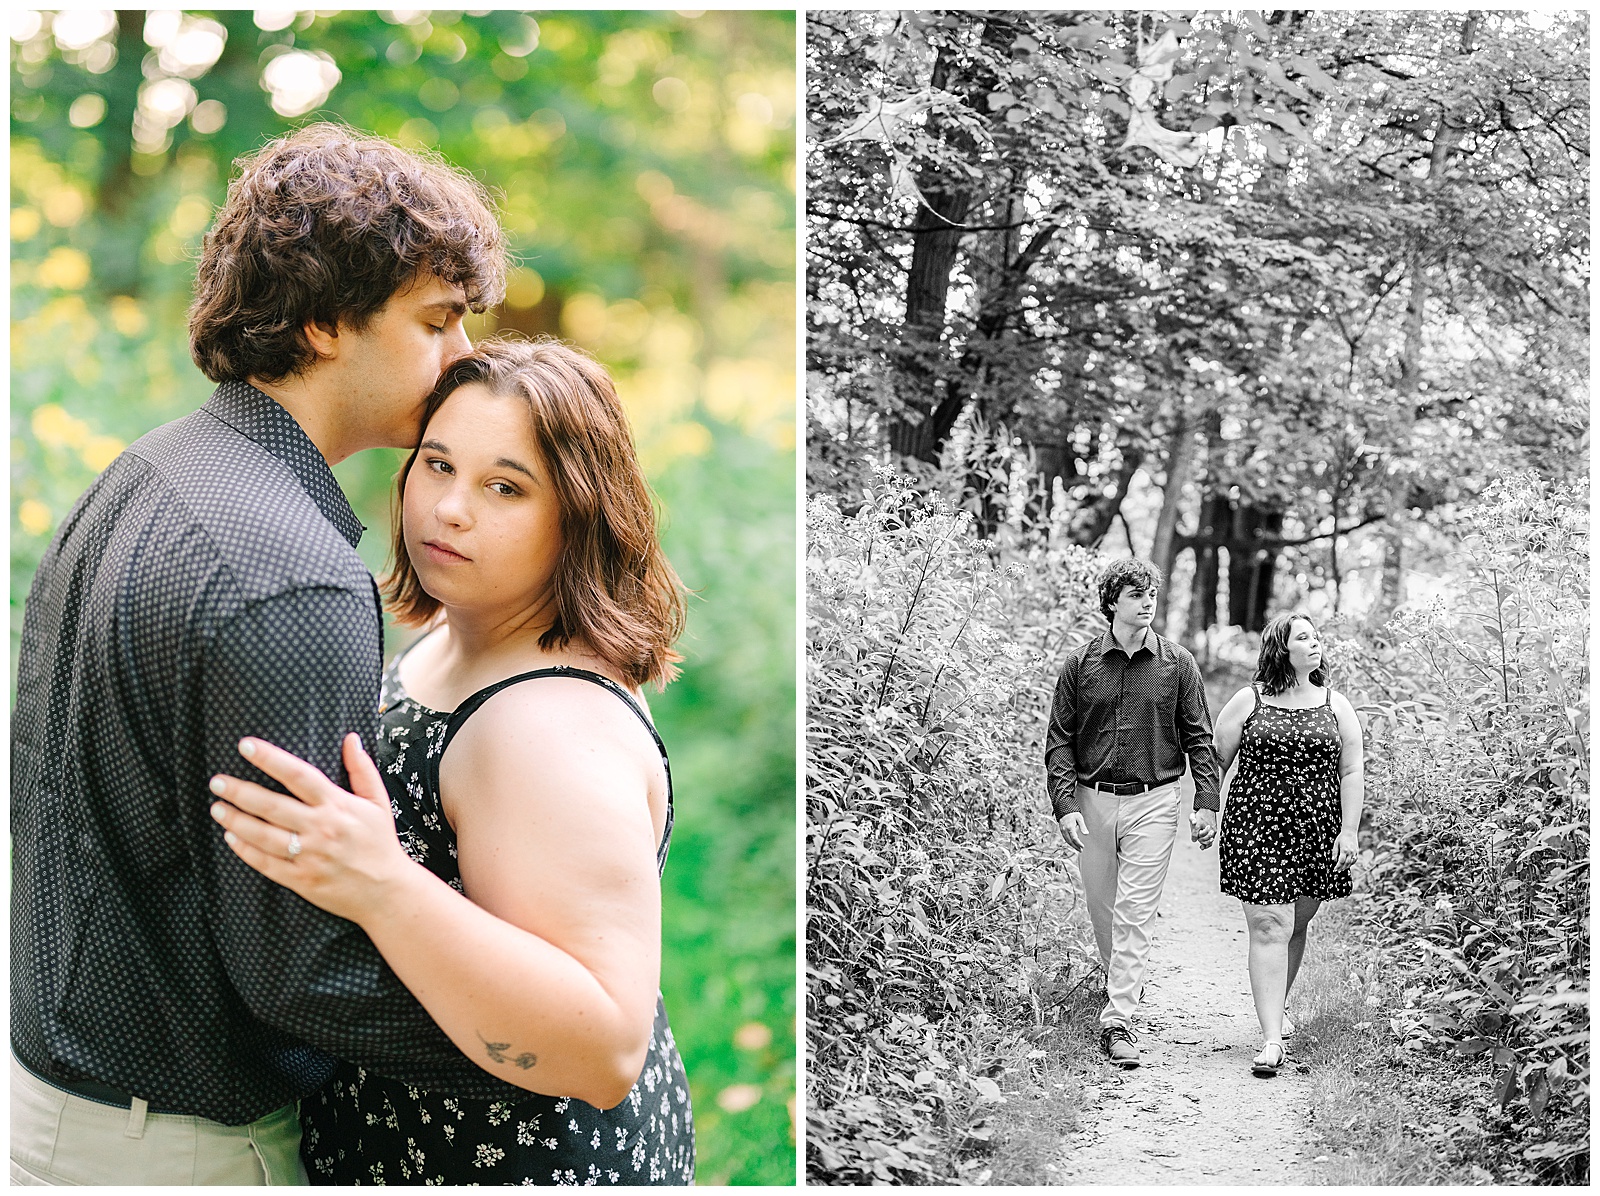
pixel 497 1052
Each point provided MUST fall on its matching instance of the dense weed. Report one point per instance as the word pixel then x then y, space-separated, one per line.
pixel 943 923
pixel 1478 784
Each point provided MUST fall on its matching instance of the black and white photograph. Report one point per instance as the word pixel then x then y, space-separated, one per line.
pixel 1197 597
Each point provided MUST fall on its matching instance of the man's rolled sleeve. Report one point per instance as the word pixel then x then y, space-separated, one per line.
pixel 1060 758
pixel 1195 734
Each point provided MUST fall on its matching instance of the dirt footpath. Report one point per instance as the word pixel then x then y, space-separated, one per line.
pixel 1193 1113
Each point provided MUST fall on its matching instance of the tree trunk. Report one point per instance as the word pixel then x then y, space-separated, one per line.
pixel 1214 516
pixel 1056 461
pixel 119 241
pixel 1445 140
pixel 1250 566
pixel 1391 587
pixel 1093 520
pixel 1180 468
pixel 929 407
pixel 1264 572
pixel 913 433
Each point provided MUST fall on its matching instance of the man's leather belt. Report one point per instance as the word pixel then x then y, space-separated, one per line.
pixel 1128 788
pixel 101 1094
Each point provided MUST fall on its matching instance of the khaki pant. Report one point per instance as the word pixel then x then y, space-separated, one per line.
pixel 59 1138
pixel 1124 865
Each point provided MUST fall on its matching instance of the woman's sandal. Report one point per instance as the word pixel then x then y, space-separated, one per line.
pixel 1259 1065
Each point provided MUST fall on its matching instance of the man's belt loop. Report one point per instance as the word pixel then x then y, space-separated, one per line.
pixel 136 1115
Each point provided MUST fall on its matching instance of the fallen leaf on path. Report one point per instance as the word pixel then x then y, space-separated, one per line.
pixel 1227 1046
pixel 1184 1041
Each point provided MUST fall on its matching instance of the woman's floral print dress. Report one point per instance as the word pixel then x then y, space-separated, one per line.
pixel 362 1128
pixel 1283 814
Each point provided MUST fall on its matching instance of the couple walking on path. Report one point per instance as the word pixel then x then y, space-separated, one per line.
pixel 1129 711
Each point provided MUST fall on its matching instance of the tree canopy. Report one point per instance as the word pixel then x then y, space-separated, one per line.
pixel 1291 280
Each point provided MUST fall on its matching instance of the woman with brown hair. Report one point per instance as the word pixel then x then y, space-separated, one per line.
pixel 1290 811
pixel 509 873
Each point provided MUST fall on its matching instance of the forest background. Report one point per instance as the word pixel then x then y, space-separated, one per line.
pixel 645 163
pixel 1296 305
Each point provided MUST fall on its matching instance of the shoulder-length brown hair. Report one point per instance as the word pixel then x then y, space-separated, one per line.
pixel 1273 669
pixel 615 591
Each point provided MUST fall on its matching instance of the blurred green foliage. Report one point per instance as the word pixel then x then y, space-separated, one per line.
pixel 644 165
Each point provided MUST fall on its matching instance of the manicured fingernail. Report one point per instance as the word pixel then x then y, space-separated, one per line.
pixel 217 811
pixel 246 748
pixel 229 838
pixel 218 786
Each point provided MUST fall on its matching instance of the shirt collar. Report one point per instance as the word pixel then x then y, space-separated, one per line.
pixel 1151 643
pixel 258 416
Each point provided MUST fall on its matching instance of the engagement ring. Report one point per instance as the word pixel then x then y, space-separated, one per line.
pixel 294 845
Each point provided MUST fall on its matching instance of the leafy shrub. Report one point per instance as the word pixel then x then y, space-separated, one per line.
pixel 1478 781
pixel 941 913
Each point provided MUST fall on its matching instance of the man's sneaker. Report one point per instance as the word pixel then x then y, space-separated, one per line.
pixel 1117 1043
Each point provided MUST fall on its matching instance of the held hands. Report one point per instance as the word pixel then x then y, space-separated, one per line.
pixel 1344 849
pixel 1203 827
pixel 336 849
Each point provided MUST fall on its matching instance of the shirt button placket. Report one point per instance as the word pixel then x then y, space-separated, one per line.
pixel 1116 742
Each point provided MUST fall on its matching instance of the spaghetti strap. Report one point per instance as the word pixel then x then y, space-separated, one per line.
pixel 461 712
pixel 468 707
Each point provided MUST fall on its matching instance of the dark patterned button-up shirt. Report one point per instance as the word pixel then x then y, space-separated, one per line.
pixel 1121 718
pixel 205 587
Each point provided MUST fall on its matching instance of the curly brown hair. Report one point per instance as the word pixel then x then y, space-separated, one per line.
pixel 615 591
pixel 325 225
pixel 1119 575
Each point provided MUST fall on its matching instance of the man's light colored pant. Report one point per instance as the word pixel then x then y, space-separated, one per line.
pixel 1124 864
pixel 58 1138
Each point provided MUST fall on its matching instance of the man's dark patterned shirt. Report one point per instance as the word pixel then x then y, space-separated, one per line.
pixel 205 587
pixel 1121 718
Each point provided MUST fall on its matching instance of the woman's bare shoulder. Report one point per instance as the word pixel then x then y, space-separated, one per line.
pixel 551 729
pixel 1243 699
pixel 1342 706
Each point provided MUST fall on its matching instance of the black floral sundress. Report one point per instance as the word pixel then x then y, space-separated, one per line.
pixel 1282 814
pixel 363 1128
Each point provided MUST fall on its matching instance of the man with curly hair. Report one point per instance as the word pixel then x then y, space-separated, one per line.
pixel 1129 710
pixel 169 1005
